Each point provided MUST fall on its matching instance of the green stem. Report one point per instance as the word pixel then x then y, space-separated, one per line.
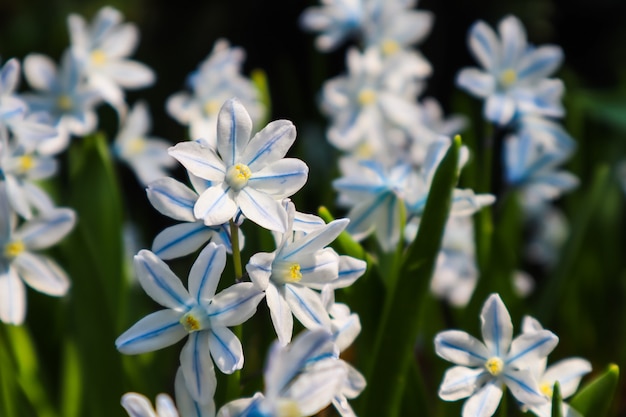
pixel 233 386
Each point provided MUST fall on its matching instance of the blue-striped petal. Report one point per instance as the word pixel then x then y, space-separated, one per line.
pixel 262 209
pixel 497 328
pixel 225 349
pixel 269 145
pixel 199 159
pixel 12 297
pixel 153 332
pixel 235 304
pixel 234 127
pixel 172 198
pixel 281 179
pixel 461 348
pixel 215 206
pixel 484 44
pixel 48 229
pixel 524 387
pixel 528 348
pixel 181 239
pixel 306 305
pixel 206 272
pixel 187 406
pixel 483 403
pixel 160 283
pixel 197 367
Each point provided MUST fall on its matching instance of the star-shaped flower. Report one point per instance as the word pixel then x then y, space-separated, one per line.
pixel 247 174
pixel 484 368
pixel 515 75
pixel 197 312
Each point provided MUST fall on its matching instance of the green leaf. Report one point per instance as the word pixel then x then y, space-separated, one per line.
pixel 557 410
pixel 399 326
pixel 596 397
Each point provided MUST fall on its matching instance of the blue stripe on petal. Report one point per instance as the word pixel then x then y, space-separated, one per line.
pixel 205 276
pixel 149 335
pixel 163 284
pixel 310 312
pixel 270 143
pixel 233 358
pixel 529 349
pixel 354 223
pixel 459 348
pixel 181 238
pixel 233 306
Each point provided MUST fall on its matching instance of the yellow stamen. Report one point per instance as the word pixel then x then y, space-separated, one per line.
pixel 293 273
pixel 211 107
pixel 190 323
pixel 366 97
pixel 64 102
pixel 288 408
pixel 508 77
pixel 98 57
pixel 390 47
pixel 135 146
pixel 546 389
pixel 237 176
pixel 12 249
pixel 25 163
pixel 494 365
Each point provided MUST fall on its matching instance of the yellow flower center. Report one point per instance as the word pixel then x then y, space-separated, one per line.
pixel 211 107
pixel 293 273
pixel 546 388
pixel 190 322
pixel 25 163
pixel 237 176
pixel 508 77
pixel 288 408
pixel 390 47
pixel 12 249
pixel 64 102
pixel 98 57
pixel 494 365
pixel 135 146
pixel 367 97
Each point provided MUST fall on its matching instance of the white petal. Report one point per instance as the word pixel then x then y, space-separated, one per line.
pixel 363 216
pixel 235 305
pixel 234 127
pixel 197 367
pixel 307 306
pixel 48 229
pixel 172 198
pixel 524 387
pixel 513 37
pixel 186 405
pixel 281 315
pixel 484 403
pixel 500 109
pixel 181 239
pixel 12 298
pixel 206 272
pixel 40 71
pixel 569 373
pixel 41 274
pixel 262 209
pixel 153 332
pixel 528 348
pixel 216 206
pixel 120 42
pixel 269 145
pixel 540 63
pixel 461 348
pixel 137 405
pixel 129 74
pixel 165 406
pixel 199 159
pixel 350 269
pixel 159 282
pixel 225 349
pixel 281 179
pixel 476 82
pixel 319 268
pixel 314 389
pixel 496 326
pixel 259 268
pixel 460 382
pixel 484 44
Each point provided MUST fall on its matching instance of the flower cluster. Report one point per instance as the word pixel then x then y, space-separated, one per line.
pixel 483 369
pixel 524 102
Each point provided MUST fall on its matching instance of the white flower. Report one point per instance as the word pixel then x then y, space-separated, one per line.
pixel 217 79
pixel 199 313
pixel 103 48
pixel 63 94
pixel 174 199
pixel 19 262
pixel 289 276
pixel 137 405
pixel 514 79
pixel 247 174
pixel 147 156
pixel 568 373
pixel 485 367
pixel 293 385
